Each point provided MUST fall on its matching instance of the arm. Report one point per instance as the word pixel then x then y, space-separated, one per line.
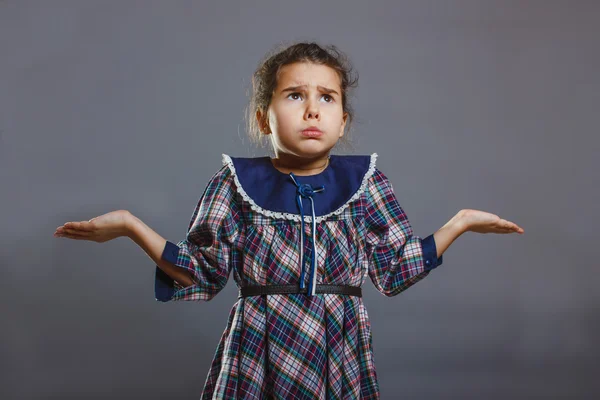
pixel 397 258
pixel 154 245
pixel 448 233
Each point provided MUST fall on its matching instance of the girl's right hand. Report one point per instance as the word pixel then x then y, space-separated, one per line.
pixel 99 229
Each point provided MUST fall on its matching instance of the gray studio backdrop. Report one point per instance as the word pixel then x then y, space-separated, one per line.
pixel 489 105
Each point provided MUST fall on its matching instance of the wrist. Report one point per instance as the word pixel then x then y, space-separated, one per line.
pixel 132 225
pixel 461 222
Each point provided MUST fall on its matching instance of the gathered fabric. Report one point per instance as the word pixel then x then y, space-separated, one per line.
pixel 296 344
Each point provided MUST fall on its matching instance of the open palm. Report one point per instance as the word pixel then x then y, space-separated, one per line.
pixel 484 222
pixel 99 229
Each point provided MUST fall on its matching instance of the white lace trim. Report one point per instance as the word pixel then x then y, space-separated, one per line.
pixel 296 217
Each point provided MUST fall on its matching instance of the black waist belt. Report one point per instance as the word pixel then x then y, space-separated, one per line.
pixel 295 289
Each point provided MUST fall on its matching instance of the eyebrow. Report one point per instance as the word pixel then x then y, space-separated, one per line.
pixel 321 88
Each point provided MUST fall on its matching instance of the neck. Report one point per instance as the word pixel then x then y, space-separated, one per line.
pixel 300 166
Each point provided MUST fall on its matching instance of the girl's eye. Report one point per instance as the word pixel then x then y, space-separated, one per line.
pixel 295 96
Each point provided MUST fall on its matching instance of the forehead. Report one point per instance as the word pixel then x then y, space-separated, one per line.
pixel 305 73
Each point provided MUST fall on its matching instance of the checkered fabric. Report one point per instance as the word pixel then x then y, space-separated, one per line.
pixel 296 346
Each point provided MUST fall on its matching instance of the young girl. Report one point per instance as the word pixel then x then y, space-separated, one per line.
pixel 300 232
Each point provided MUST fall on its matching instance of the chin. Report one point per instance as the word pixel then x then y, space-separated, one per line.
pixel 312 151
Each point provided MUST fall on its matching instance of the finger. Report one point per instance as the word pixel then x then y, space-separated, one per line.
pixel 518 229
pixel 75 237
pixel 513 225
pixel 77 232
pixel 83 225
pixel 73 226
pixel 511 230
pixel 62 227
pixel 70 234
pixel 508 225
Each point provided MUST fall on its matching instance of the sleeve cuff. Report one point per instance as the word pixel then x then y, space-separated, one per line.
pixel 164 285
pixel 430 254
pixel 170 252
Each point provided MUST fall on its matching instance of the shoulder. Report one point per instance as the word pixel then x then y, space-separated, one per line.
pixel 220 187
pixel 379 190
pixel 223 179
pixel 378 180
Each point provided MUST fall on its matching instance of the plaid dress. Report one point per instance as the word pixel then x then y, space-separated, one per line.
pixel 296 346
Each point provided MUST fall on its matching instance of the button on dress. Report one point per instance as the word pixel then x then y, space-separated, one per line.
pixel 248 223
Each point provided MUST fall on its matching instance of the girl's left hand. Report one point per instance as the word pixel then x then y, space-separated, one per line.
pixel 483 222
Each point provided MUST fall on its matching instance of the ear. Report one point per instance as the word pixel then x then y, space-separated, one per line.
pixel 262 122
pixel 345 119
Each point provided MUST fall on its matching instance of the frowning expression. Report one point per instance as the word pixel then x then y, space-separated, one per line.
pixel 305 117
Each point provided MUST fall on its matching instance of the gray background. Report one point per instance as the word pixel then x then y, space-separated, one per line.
pixel 489 105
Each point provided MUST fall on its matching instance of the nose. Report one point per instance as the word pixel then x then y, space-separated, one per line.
pixel 312 111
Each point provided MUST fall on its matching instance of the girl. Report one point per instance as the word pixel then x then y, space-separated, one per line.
pixel 299 231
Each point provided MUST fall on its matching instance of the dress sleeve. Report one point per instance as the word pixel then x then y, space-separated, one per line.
pixel 206 250
pixel 397 258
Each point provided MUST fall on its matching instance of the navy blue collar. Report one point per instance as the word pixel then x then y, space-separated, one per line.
pixel 275 191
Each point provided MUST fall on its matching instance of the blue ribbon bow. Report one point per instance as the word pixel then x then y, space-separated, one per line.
pixel 306 191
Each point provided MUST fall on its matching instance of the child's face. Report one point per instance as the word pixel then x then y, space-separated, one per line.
pixel 307 95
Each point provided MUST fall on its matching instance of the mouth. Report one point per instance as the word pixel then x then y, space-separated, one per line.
pixel 312 132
